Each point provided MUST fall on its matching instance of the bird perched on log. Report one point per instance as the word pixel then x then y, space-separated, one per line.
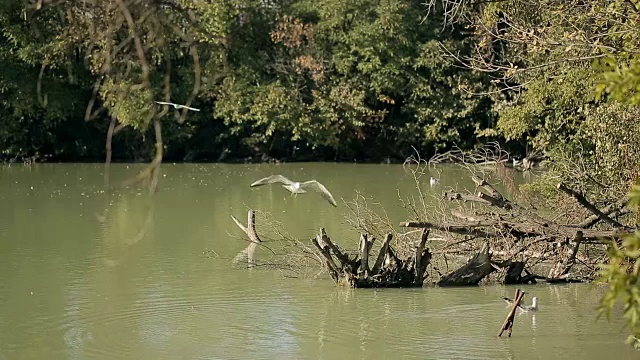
pixel 297 187
pixel 177 106
pixel 532 307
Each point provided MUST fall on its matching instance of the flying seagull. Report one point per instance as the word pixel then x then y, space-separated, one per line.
pixel 297 187
pixel 532 307
pixel 177 106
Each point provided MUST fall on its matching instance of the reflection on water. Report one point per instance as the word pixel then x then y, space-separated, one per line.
pixel 131 283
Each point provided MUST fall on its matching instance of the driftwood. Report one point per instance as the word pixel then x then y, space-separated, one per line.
pixel 387 271
pixel 250 229
pixel 508 322
pixel 517 233
pixel 254 239
pixel 522 229
pixel 471 273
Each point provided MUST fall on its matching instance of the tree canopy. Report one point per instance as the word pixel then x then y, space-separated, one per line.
pixel 567 75
pixel 361 79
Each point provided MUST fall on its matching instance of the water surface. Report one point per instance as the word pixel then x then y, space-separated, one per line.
pixel 79 282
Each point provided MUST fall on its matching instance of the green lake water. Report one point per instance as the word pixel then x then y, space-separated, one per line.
pixel 92 274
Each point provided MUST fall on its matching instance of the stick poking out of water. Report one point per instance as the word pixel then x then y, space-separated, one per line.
pixel 508 322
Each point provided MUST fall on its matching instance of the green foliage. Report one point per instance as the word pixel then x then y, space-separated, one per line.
pixel 554 99
pixel 568 85
pixel 41 91
pixel 542 54
pixel 130 106
pixel 613 130
pixel 350 73
pixel 53 57
pixel 620 80
pixel 542 193
pixel 551 111
pixel 622 276
pixel 362 78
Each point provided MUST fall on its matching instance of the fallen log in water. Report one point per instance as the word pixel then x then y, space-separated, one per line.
pixel 500 238
pixel 587 205
pixel 250 229
pixel 387 271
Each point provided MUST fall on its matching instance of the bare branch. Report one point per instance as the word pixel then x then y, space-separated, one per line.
pixel 589 206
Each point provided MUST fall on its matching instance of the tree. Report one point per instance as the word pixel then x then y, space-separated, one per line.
pixel 353 75
pixel 119 56
pixel 329 77
pixel 540 55
pixel 32 114
pixel 567 82
pixel 622 276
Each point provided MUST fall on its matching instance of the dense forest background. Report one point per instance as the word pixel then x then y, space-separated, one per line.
pixel 293 79
pixel 328 80
pixel 362 80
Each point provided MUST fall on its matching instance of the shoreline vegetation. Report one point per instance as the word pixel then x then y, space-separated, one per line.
pixel 536 163
pixel 377 80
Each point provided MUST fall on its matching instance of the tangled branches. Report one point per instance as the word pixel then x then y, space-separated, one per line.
pixel 137 52
pixel 489 154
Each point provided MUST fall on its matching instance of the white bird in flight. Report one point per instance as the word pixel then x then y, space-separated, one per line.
pixel 532 307
pixel 177 106
pixel 433 181
pixel 297 187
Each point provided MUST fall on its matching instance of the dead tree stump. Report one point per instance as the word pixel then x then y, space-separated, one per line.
pixel 250 251
pixel 514 273
pixel 471 273
pixel 387 271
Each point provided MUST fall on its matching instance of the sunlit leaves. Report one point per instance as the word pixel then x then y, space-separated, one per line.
pixel 131 105
pixel 622 276
pixel 207 22
pixel 623 281
pixel 620 79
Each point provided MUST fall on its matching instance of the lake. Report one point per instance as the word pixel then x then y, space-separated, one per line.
pixel 92 274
